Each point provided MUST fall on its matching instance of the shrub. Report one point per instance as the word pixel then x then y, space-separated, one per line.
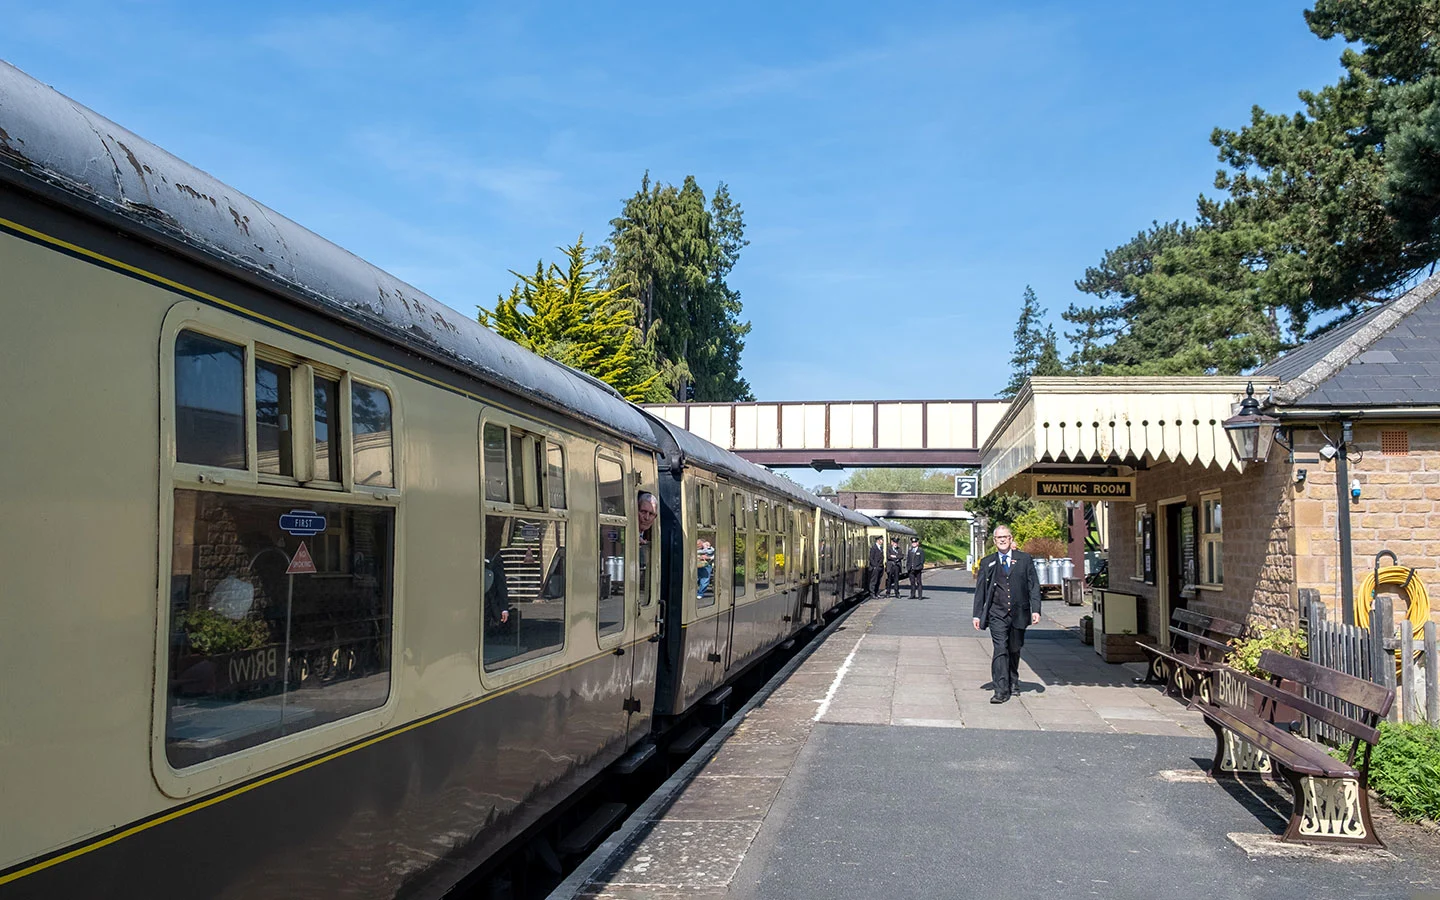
pixel 1045 548
pixel 1405 769
pixel 1245 652
pixel 1037 522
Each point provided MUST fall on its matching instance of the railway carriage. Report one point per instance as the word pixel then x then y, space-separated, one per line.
pixel 312 586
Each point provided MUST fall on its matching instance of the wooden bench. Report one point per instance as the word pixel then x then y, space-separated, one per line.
pixel 1188 671
pixel 1330 796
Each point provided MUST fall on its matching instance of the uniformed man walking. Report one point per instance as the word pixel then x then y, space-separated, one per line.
pixel 1007 600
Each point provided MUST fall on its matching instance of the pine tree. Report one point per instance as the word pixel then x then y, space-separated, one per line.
pixel 673 248
pixel 1034 347
pixel 564 314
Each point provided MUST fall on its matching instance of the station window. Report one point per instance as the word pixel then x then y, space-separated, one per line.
pixel 255 652
pixel 1212 539
pixel 613 523
pixel 1140 512
pixel 209 401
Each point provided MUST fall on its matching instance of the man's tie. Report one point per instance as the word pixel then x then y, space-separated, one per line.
pixel 1005 561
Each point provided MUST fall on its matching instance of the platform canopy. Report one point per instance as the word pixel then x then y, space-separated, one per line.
pixel 1097 425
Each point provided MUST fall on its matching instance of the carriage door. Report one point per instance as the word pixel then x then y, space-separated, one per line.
pixel 726 574
pixel 619 564
pixel 645 607
pixel 712 595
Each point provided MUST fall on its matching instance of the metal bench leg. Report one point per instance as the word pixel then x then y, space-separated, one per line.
pixel 1330 810
pixel 1234 756
pixel 1158 671
pixel 1183 682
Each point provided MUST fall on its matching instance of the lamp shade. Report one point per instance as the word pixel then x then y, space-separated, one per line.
pixel 1250 432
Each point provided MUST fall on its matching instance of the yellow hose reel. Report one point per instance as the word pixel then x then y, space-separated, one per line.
pixel 1416 597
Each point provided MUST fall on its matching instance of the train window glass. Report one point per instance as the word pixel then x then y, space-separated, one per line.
pixel 327 430
pixel 497 475
pixel 762 560
pixel 706 510
pixel 612 486
pixel 524 600
pixel 555 475
pixel 705 567
pixel 762 515
pixel 209 401
pixel 519 484
pixel 739 509
pixel 610 616
pixel 781 561
pixel 256 653
pixel 374 453
pixel 274 442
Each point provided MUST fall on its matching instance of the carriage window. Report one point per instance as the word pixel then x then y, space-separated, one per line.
pixel 497 476
pixel 519 484
pixel 741 560
pixel 555 475
pixel 705 567
pixel 374 455
pixel 524 601
pixel 274 444
pixel 262 644
pixel 610 616
pixel 762 560
pixel 613 525
pixel 612 487
pixel 780 560
pixel 327 430
pixel 209 401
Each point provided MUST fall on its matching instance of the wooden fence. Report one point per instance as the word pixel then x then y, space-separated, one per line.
pixel 1376 656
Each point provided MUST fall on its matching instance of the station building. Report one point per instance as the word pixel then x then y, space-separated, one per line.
pixel 1357 416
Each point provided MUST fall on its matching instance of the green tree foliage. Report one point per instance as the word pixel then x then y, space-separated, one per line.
pixel 1035 347
pixel 564 314
pixel 671 250
pixel 1324 212
pixel 1041 520
pixel 922 481
pixel 1000 509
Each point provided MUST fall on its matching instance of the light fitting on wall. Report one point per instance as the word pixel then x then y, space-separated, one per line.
pixel 1300 477
pixel 1251 432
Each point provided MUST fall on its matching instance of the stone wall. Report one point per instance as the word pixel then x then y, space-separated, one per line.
pixel 1398 509
pixel 1259 560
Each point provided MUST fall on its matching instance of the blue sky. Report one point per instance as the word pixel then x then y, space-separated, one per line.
pixel 905 168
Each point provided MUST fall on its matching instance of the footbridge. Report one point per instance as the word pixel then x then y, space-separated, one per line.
pixel 904 504
pixel 837 434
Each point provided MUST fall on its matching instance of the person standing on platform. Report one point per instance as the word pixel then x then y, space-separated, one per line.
pixel 877 565
pixel 1007 600
pixel 915 566
pixel 893 559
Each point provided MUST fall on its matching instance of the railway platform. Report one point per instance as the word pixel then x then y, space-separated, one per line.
pixel 878 768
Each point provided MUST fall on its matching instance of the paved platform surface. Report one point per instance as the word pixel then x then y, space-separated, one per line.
pixel 880 769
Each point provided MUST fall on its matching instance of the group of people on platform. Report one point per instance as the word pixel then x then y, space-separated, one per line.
pixel 894 564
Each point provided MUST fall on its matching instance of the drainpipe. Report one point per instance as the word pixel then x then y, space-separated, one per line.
pixel 1342 490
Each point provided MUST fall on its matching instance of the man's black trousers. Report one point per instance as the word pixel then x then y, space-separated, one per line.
pixel 875 573
pixel 892 581
pixel 1005 664
pixel 916 589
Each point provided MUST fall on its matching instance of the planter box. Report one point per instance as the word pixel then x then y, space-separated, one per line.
pixel 1118 648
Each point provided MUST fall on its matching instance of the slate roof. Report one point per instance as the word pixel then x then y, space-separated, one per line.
pixel 1388 357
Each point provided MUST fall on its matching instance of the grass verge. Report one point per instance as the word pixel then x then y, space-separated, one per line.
pixel 1405 770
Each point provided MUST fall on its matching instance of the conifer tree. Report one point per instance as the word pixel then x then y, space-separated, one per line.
pixel 1035 350
pixel 566 315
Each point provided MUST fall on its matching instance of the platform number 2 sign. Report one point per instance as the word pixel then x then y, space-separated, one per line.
pixel 967 486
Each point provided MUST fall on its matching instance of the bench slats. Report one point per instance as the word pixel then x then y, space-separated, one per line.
pixel 1339 720
pixel 1293 751
pixel 1366 694
pixel 1200 639
pixel 1209 623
